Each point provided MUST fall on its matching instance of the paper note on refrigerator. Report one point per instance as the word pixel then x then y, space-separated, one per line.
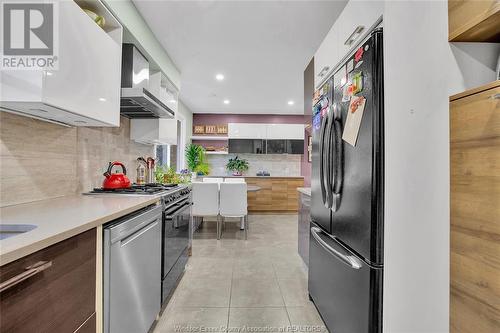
pixel 353 121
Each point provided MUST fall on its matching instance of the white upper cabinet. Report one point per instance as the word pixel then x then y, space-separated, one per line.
pixel 326 57
pixel 357 18
pixel 85 89
pixel 164 89
pixel 246 131
pixel 285 131
pixel 265 131
pixel 154 131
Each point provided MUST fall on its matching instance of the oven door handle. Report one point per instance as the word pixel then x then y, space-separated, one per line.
pixel 170 215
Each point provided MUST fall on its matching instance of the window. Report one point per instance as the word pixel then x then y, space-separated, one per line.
pixel 173 155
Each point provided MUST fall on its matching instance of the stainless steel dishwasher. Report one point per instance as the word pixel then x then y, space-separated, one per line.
pixel 132 271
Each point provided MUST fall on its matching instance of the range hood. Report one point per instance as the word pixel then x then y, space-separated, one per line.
pixel 137 101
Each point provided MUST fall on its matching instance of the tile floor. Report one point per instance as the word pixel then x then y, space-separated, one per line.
pixel 233 285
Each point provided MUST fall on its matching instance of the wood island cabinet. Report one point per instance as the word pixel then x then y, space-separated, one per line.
pixel 58 297
pixel 475 210
pixel 276 194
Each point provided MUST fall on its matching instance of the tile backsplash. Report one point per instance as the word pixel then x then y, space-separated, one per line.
pixel 276 164
pixel 40 160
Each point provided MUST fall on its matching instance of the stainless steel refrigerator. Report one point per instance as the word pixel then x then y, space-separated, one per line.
pixel 346 238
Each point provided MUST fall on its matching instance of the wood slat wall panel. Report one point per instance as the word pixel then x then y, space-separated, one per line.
pixel 475 213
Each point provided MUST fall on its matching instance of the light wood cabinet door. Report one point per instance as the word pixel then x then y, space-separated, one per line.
pixel 474 20
pixel 475 212
pixel 275 194
pixel 59 298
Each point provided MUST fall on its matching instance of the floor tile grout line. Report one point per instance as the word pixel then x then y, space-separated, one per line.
pixel 281 293
pixel 230 294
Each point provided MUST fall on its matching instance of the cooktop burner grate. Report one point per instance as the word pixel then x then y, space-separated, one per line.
pixel 137 189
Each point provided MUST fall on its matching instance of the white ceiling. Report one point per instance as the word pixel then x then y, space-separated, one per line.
pixel 261 47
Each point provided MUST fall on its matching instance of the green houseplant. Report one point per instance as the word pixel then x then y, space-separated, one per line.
pixel 237 166
pixel 196 161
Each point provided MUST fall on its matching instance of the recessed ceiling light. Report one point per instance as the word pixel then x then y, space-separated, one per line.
pixel 219 77
pixel 291 102
pixel 173 101
pixel 102 99
pixel 226 101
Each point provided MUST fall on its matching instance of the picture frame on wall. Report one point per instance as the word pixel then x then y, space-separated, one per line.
pixel 309 148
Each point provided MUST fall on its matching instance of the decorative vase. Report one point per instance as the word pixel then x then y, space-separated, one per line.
pixel 237 173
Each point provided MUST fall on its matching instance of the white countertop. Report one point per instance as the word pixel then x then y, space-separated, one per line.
pixel 304 190
pixel 61 218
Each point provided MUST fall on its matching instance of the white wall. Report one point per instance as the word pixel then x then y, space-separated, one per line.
pixel 421 70
pixel 186 116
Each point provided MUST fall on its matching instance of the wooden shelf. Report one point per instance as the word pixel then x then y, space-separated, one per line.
pixel 216 152
pixel 473 21
pixel 209 137
pixel 476 90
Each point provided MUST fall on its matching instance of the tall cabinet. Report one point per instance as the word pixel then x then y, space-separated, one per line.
pixel 475 210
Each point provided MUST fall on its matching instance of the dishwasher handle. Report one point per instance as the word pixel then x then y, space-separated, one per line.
pixel 127 239
pixel 135 224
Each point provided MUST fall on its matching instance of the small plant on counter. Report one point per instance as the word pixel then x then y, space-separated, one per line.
pixel 237 166
pixel 166 175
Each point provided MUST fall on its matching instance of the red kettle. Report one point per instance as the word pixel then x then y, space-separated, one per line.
pixel 115 180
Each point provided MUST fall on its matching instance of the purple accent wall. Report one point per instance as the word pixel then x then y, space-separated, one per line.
pixel 221 118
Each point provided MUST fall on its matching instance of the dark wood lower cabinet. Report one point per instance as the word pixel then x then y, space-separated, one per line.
pixel 60 298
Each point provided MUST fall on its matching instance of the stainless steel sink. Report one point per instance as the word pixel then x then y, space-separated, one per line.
pixel 11 230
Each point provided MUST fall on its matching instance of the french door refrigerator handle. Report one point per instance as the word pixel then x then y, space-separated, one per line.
pixel 322 159
pixel 339 162
pixel 326 160
pixel 351 261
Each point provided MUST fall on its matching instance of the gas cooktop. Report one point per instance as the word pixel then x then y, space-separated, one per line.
pixel 136 189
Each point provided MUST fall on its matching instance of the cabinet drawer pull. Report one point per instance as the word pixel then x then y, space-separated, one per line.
pixel 323 71
pixel 29 272
pixel 355 35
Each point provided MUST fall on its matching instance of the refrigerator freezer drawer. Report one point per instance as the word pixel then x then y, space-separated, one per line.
pixel 346 291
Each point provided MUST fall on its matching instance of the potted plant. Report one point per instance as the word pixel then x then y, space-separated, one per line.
pixel 237 166
pixel 195 159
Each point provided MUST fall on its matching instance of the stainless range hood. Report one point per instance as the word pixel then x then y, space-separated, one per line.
pixel 136 100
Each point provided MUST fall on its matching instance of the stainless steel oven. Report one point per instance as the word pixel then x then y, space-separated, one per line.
pixel 175 240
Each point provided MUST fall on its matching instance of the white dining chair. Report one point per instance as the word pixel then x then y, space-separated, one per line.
pixel 233 203
pixel 206 202
pixel 234 180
